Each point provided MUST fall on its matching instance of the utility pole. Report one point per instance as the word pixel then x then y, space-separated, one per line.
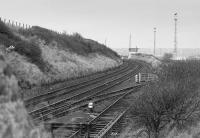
pixel 154 48
pixel 175 35
pixel 129 50
pixel 130 42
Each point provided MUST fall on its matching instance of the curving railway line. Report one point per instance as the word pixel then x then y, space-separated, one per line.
pixel 63 100
pixel 75 86
pixel 61 107
pixel 108 122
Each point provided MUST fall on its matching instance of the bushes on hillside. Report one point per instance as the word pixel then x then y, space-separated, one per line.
pixel 177 70
pixel 7 38
pixel 28 49
pixel 57 56
pixel 32 51
pixel 4 30
pixel 167 57
pixel 166 105
pixel 171 102
pixel 15 122
pixel 75 43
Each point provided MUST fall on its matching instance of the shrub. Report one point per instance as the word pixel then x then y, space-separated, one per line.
pixel 4 30
pixel 28 49
pixel 177 70
pixel 167 57
pixel 15 121
pixel 171 102
pixel 7 38
pixel 58 56
pixel 32 51
pixel 165 105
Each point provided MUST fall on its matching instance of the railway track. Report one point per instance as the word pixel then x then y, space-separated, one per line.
pixel 75 86
pixel 77 95
pixel 108 122
pixel 61 108
pixel 73 127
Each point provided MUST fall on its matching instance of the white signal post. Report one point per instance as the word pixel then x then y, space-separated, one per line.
pixel 136 79
pixel 139 77
pixel 91 106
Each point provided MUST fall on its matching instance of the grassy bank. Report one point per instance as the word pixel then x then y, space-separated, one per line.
pixel 41 56
pixel 15 122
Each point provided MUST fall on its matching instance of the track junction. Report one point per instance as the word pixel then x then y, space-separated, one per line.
pixel 100 87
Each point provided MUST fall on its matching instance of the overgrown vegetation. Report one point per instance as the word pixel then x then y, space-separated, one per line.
pixel 75 43
pixel 15 122
pixel 167 57
pixel 42 57
pixel 172 102
pixel 23 47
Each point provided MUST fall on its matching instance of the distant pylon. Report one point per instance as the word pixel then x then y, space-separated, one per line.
pixel 154 48
pixel 175 34
pixel 130 42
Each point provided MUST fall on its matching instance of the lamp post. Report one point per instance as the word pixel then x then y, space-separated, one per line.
pixel 154 48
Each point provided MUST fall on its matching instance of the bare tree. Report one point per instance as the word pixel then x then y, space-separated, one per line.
pixel 165 104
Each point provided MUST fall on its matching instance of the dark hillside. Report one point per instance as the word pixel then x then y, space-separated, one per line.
pixel 39 56
pixel 75 43
pixel 28 49
pixel 7 38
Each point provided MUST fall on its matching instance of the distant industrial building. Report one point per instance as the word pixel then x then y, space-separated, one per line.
pixel 132 51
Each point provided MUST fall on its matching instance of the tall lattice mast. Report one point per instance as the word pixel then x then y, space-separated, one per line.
pixel 175 35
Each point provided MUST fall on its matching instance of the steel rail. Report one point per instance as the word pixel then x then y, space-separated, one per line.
pixel 76 94
pixel 111 126
pixel 63 106
pixel 52 94
pixel 76 127
pixel 96 100
pixel 77 133
pixel 82 104
pixel 121 110
pixel 128 89
pixel 104 132
pixel 96 75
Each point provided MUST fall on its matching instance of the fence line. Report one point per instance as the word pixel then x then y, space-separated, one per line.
pixel 15 24
pixel 20 25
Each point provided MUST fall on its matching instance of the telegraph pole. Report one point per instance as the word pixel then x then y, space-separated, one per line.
pixel 175 35
pixel 154 48
pixel 130 42
pixel 129 50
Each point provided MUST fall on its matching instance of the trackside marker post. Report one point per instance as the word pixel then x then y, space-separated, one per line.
pixel 91 106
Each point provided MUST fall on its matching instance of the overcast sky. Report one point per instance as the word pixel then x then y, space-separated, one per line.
pixel 113 20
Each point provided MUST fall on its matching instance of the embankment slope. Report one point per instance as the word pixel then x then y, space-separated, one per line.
pixel 41 56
